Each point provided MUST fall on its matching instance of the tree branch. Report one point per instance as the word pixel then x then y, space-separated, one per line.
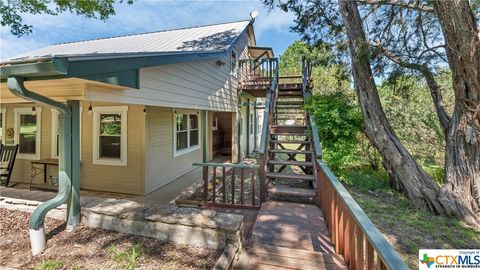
pixel 399 3
pixel 431 82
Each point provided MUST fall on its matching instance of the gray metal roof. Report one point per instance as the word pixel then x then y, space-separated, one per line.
pixel 210 38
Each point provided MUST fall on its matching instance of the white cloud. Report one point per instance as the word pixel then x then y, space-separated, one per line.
pixel 142 16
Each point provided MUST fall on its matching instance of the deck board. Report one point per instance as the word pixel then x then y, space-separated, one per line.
pixel 290 236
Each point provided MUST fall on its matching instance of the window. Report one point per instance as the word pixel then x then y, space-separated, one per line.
pixel 110 135
pixel 186 133
pixel 251 123
pixel 27 132
pixel 55 133
pixel 2 125
pixel 215 123
pixel 234 63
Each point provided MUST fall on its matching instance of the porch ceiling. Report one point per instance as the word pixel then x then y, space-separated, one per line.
pixel 57 89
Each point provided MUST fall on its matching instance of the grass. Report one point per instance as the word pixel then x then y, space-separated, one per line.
pixel 126 258
pixel 407 228
pixel 50 265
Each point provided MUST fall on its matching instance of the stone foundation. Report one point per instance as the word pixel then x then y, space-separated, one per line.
pixel 182 225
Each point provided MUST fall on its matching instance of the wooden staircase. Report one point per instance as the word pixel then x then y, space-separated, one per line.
pixel 290 165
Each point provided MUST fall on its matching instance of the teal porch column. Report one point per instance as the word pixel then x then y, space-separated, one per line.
pixel 72 144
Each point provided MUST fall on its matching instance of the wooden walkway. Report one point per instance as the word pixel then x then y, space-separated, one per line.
pixel 289 236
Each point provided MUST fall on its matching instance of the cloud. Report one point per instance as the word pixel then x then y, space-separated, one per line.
pixel 141 16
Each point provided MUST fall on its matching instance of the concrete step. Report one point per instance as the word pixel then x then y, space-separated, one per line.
pixel 291 176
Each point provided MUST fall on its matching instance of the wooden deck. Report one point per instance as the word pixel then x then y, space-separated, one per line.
pixel 290 236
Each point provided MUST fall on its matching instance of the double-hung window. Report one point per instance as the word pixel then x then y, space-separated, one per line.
pixel 27 132
pixel 110 135
pixel 186 133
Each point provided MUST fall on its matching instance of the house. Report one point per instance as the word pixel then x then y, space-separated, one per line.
pixel 149 105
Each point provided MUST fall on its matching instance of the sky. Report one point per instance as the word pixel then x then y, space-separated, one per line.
pixel 272 28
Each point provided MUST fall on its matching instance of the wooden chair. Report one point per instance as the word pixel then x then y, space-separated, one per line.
pixel 7 160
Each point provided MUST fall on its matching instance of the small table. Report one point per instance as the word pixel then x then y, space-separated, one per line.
pixel 43 169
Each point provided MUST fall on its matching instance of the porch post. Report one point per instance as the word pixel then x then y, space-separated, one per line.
pixel 255 124
pixel 205 134
pixel 73 203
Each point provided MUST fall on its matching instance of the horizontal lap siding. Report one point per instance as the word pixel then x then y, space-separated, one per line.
pixel 203 85
pixel 122 179
pixel 161 166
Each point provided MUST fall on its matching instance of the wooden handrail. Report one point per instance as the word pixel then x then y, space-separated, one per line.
pixel 347 223
pixel 219 190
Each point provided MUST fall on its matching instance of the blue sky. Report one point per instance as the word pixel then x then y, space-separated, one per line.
pixel 271 27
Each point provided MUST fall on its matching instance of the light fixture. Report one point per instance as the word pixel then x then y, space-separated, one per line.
pixel 90 108
pixel 34 109
pixel 145 110
pixel 220 63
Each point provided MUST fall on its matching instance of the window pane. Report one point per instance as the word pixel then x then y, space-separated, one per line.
pixel 1 126
pixel 193 138
pixel 110 124
pixel 109 147
pixel 193 121
pixel 181 120
pixel 182 140
pixel 27 134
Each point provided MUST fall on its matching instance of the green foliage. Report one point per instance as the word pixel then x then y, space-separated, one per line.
pixel 327 75
pixel 12 11
pixel 365 178
pixel 50 265
pixel 339 123
pixel 126 258
pixel 408 105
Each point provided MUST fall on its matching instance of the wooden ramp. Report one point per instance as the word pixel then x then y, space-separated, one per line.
pixel 290 236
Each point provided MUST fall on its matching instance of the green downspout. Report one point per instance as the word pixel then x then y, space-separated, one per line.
pixel 37 233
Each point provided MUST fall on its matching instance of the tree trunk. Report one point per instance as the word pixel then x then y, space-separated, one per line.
pixel 404 172
pixel 460 194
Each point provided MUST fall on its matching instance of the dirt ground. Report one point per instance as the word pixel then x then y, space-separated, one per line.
pixel 86 248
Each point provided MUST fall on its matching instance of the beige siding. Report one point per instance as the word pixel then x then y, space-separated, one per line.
pixel 122 179
pixel 203 85
pixel 161 166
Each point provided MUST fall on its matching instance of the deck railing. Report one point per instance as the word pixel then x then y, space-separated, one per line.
pixel 352 232
pixel 230 185
pixel 257 72
pixel 268 118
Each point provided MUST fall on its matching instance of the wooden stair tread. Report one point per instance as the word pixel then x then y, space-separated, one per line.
pixel 292 102
pixel 290 141
pixel 290 162
pixel 308 256
pixel 288 151
pixel 286 126
pixel 302 192
pixel 291 176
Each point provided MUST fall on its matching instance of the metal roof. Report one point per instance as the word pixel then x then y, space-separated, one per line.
pixel 209 38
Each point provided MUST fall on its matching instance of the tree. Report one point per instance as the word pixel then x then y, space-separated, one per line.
pixel 322 20
pixel 12 10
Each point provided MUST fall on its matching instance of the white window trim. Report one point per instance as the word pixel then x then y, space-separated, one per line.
pixel 53 149
pixel 189 149
pixel 215 123
pixel 3 111
pixel 234 68
pixel 122 110
pixel 38 142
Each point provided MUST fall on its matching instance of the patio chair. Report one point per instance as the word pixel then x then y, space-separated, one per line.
pixel 7 160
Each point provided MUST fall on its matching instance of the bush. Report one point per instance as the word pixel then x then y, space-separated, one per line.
pixel 339 123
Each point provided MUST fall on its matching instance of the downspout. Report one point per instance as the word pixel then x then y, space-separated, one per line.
pixel 36 229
